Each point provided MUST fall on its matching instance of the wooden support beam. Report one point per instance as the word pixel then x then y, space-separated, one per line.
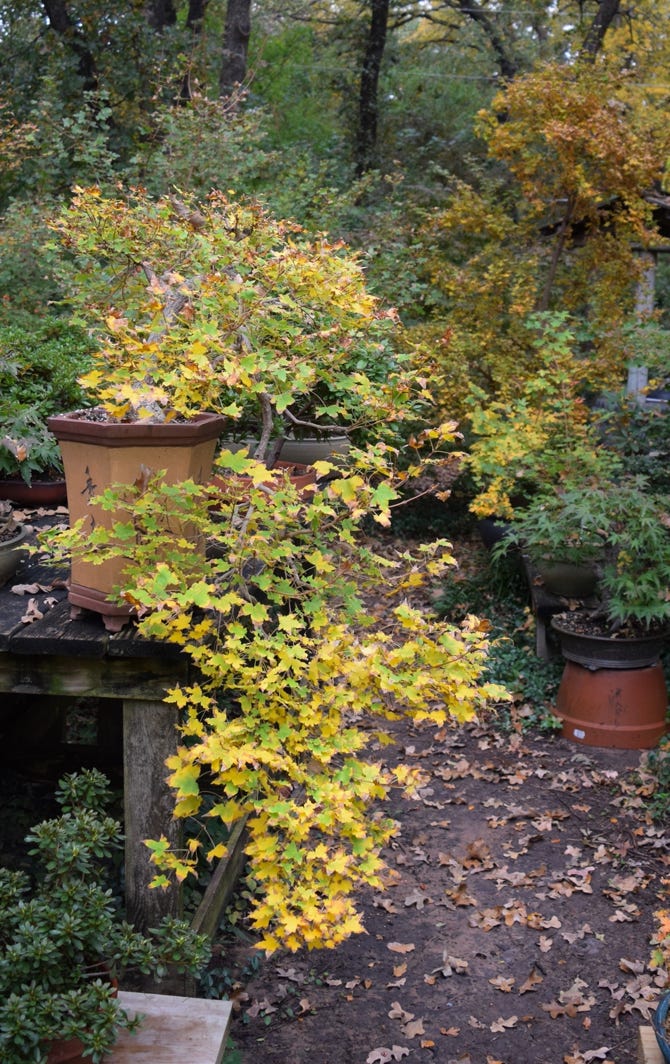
pixel 222 884
pixel 149 738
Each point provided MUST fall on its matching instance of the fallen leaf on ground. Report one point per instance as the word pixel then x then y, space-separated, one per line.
pixel 401 947
pixel 382 1055
pixel 501 1024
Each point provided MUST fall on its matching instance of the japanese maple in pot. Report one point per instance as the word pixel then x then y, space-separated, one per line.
pixel 620 528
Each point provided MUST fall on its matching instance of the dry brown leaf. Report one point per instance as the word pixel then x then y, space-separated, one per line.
pixel 545 943
pixel 413 1028
pixel 500 983
pixel 450 966
pixel 401 947
pixel 533 981
pixel 501 1024
pixel 382 1055
pixel 399 969
pixel 397 1012
pixel 418 898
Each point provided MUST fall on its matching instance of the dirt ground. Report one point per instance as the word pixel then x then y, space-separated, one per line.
pixel 515 928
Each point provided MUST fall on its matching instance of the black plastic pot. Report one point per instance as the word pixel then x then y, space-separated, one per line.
pixel 607 652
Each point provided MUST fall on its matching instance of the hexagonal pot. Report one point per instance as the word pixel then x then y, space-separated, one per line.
pixel 97 454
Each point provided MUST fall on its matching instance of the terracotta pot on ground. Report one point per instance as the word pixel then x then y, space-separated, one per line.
pixel 622 709
pixel 97 454
pixel 613 691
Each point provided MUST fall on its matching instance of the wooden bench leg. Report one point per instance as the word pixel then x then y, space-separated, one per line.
pixel 149 737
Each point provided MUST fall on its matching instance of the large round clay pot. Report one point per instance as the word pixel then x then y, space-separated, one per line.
pixel 307 450
pixel 97 454
pixel 68 1051
pixel 567 580
pixel 302 477
pixel 623 709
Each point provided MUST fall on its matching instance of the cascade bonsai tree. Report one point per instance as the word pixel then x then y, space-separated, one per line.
pixel 218 304
pixel 63 942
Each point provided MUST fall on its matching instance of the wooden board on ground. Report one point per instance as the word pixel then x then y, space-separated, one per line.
pixel 175 1030
pixel 648 1051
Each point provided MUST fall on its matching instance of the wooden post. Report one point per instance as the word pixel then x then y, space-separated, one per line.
pixel 149 737
pixel 638 376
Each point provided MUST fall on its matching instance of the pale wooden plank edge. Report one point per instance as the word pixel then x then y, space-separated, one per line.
pixel 174 1030
pixel 648 1049
pixel 222 884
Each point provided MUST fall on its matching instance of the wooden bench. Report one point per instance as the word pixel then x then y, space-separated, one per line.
pixel 648 1051
pixel 175 1030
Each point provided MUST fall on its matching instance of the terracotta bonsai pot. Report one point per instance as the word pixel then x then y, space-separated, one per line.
pixel 99 453
pixel 301 477
pixel 37 493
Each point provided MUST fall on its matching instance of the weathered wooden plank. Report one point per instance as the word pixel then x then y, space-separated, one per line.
pixel 222 884
pixel 175 1030
pixel 648 1051
pixel 149 738
pixel 95 677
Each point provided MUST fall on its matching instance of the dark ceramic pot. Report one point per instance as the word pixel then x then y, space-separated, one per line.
pixel 607 652
pixel 567 580
pixel 12 553
pixel 660 1029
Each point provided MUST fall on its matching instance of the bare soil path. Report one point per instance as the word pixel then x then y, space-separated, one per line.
pixel 515 928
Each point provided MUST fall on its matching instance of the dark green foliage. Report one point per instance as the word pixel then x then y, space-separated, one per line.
pixel 62 935
pixel 40 363
pixel 658 767
pixel 498 592
pixel 39 366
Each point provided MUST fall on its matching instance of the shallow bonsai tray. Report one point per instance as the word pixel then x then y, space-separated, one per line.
pixel 175 1030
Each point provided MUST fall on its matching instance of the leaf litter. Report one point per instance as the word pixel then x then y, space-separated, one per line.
pixel 515 928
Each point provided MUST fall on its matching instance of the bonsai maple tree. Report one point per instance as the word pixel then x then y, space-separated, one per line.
pixel 218 304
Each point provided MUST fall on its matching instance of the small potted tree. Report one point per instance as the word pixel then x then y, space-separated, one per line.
pixel 622 530
pixel 63 943
pixel 203 311
pixel 31 466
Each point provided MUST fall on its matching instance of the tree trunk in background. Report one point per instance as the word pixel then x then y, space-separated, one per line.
pixel 368 103
pixel 160 14
pixel 194 21
pixel 235 45
pixel 607 12
pixel 62 24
